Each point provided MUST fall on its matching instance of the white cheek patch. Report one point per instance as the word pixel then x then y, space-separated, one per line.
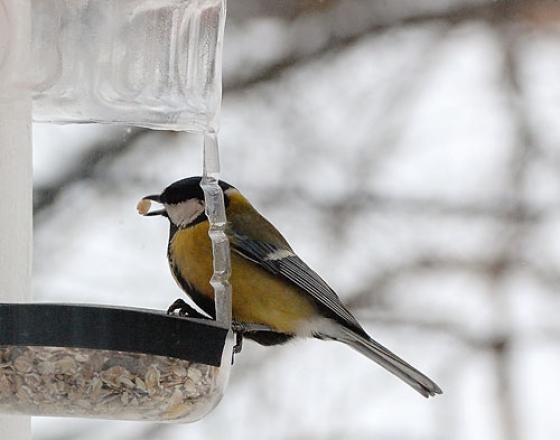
pixel 184 213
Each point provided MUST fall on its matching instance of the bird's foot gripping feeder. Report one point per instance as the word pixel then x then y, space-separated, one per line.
pixel 110 363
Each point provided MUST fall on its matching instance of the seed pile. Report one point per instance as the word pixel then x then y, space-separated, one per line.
pixel 106 384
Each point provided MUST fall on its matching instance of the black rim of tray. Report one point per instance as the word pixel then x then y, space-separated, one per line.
pixel 112 328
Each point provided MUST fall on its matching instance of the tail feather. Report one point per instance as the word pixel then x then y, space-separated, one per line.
pixel 390 361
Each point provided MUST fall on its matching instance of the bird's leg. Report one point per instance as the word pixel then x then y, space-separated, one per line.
pixel 181 308
pixel 238 343
pixel 244 328
pixel 239 329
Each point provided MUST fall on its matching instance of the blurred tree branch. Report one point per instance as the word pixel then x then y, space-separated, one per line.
pixel 495 12
pixel 84 169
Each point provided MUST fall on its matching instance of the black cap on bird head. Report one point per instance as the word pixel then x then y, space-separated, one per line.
pixel 183 201
pixel 186 189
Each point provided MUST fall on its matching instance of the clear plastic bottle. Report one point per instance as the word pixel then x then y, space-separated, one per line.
pixel 148 63
pixel 139 62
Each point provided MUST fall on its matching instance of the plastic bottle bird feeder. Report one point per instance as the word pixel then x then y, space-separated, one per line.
pixel 128 364
pixel 134 62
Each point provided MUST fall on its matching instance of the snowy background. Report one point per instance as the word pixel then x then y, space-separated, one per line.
pixel 409 152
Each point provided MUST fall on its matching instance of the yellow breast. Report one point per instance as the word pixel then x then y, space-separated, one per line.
pixel 257 296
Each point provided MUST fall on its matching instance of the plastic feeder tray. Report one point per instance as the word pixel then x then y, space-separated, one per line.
pixel 110 363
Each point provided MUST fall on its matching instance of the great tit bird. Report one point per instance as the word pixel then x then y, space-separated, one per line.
pixel 271 285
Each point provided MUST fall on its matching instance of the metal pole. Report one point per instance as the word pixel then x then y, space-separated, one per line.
pixel 15 172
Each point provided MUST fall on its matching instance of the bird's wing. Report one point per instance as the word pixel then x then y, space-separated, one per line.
pixel 281 260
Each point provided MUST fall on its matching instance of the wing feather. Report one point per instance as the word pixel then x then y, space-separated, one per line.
pixel 294 270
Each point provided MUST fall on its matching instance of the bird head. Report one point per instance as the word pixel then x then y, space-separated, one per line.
pixel 182 201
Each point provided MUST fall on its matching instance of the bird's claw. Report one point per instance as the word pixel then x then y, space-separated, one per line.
pixel 238 343
pixel 238 329
pixel 182 309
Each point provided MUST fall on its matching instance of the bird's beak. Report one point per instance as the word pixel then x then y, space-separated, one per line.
pixel 144 205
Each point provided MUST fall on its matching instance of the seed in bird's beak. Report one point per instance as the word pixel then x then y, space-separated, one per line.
pixel 143 206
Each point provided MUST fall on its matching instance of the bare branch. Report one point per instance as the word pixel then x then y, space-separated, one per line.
pixel 84 169
pixel 492 11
